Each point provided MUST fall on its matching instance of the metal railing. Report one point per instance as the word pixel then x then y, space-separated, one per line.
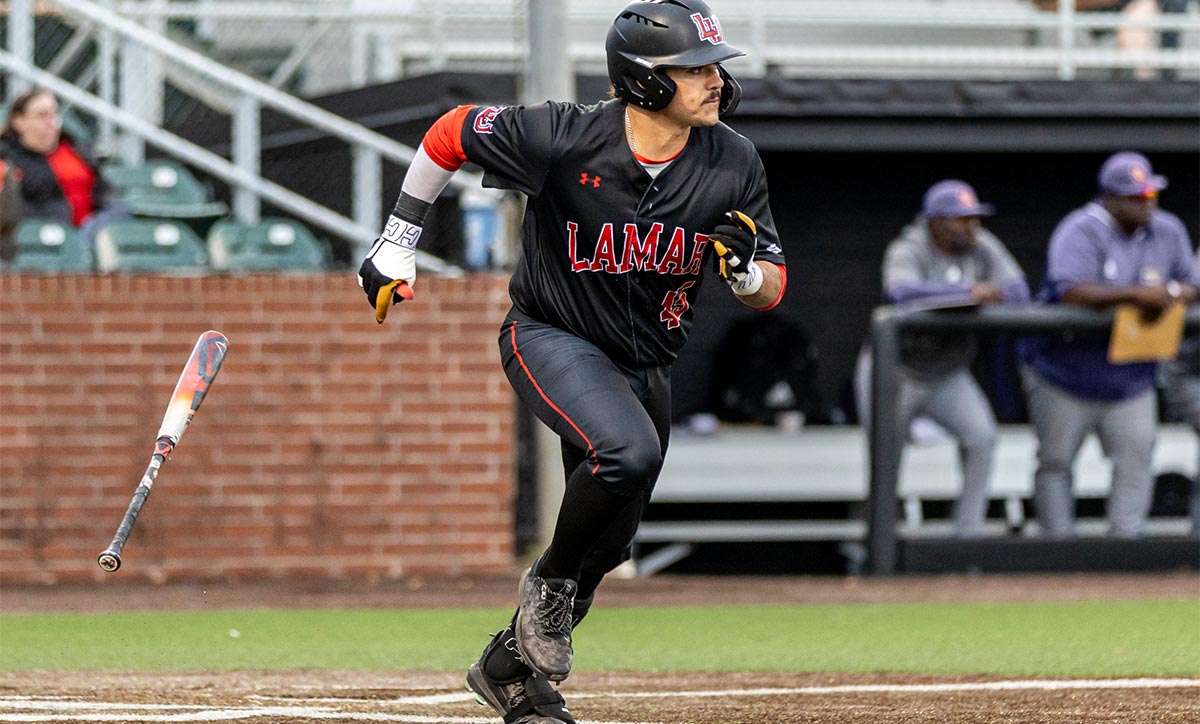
pixel 887 326
pixel 132 61
pixel 325 46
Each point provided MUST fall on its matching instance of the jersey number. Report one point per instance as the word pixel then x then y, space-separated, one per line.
pixel 674 305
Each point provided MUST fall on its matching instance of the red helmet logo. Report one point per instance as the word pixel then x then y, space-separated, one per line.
pixel 709 27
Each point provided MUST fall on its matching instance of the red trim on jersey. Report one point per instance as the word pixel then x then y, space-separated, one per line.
pixel 643 159
pixel 563 415
pixel 782 285
pixel 443 140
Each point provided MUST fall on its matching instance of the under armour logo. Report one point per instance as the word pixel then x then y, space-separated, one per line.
pixel 709 27
pixel 584 180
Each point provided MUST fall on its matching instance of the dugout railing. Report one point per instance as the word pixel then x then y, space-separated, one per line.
pixel 888 325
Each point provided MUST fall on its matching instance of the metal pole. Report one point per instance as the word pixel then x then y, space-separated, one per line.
pixel 1066 39
pixel 437 31
pixel 154 73
pixel 107 59
pixel 548 72
pixel 133 99
pixel 548 75
pixel 884 444
pixel 20 42
pixel 247 156
pixel 758 37
pixel 368 180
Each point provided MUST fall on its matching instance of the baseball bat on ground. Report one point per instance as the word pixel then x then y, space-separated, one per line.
pixel 199 372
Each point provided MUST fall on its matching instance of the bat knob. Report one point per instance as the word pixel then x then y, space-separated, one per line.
pixel 109 561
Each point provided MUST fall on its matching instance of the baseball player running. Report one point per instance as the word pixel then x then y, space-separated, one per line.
pixel 628 201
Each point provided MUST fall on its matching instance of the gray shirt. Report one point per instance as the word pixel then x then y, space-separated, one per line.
pixel 915 269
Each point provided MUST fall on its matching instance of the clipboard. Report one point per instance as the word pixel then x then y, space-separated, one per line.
pixel 1135 340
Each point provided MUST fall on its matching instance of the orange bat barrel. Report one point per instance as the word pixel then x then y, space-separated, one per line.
pixel 199 372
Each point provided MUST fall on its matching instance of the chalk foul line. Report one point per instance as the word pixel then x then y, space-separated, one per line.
pixel 20 708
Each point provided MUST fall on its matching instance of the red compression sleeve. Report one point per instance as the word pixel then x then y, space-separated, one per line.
pixel 443 140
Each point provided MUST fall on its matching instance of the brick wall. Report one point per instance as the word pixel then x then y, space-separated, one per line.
pixel 328 446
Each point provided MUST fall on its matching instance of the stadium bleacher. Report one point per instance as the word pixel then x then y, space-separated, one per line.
pixel 161 246
pixel 50 246
pixel 178 228
pixel 270 245
pixel 164 190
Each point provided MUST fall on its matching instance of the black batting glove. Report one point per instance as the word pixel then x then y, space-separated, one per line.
pixel 733 243
pixel 382 292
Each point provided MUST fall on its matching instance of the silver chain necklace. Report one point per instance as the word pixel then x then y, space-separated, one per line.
pixel 629 133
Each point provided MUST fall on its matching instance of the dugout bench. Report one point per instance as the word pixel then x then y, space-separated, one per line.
pixel 829 464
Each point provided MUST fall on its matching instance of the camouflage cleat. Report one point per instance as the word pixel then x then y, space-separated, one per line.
pixel 543 627
pixel 531 700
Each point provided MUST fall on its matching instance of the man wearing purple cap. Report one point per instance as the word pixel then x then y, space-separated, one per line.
pixel 946 258
pixel 1119 249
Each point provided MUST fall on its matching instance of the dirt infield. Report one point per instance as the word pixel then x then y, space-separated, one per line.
pixel 274 697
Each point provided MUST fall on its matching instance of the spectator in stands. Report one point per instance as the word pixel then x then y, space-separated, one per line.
pixel 947 258
pixel 11 210
pixel 1135 37
pixel 59 180
pixel 1119 249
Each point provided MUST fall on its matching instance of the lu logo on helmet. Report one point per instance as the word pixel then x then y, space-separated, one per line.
pixel 709 27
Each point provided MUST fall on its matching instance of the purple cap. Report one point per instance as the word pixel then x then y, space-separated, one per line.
pixel 951 199
pixel 1129 174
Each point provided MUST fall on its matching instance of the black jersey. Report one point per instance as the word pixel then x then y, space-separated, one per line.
pixel 609 253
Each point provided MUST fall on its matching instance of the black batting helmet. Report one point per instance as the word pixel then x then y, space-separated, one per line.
pixel 648 37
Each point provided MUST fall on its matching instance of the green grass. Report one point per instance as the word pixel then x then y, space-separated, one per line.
pixel 1122 638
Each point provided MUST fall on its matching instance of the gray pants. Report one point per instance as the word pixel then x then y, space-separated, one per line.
pixel 1127 431
pixel 956 403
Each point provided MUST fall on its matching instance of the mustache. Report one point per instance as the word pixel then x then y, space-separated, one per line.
pixel 714 96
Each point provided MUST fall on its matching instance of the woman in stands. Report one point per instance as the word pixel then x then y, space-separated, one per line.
pixel 59 180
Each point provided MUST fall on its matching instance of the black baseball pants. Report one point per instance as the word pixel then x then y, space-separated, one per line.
pixel 615 421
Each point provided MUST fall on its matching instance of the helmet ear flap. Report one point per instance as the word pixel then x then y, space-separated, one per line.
pixel 651 90
pixel 731 93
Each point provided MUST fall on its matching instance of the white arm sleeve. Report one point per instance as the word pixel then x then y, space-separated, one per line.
pixel 425 179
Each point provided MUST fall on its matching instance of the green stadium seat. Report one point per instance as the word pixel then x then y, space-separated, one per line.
pixel 50 246
pixel 162 190
pixel 270 245
pixel 149 245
